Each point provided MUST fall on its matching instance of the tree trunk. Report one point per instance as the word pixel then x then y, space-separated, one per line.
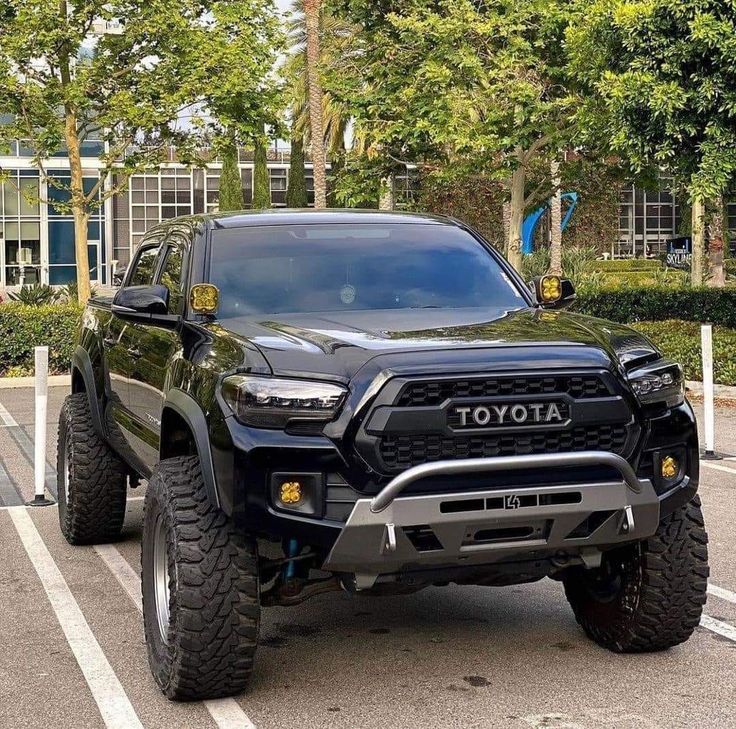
pixel 715 245
pixel 516 218
pixel 698 238
pixel 296 191
pixel 555 222
pixel 78 204
pixel 386 198
pixel 316 122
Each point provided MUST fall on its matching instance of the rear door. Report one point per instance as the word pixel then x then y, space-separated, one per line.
pixel 157 345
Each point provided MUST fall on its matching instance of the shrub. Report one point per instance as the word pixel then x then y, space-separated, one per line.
pixel 656 303
pixel 35 295
pixel 680 341
pixel 24 326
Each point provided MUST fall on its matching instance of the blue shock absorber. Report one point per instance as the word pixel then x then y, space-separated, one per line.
pixel 292 551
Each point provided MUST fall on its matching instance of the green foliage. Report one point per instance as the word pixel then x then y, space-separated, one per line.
pixel 261 182
pixel 131 87
pixel 35 295
pixel 231 186
pixel 577 264
pixel 24 326
pixel 465 194
pixel 651 303
pixel 70 295
pixel 659 77
pixel 296 192
pixel 628 264
pixel 680 340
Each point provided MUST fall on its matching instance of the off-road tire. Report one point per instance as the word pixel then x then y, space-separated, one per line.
pixel 213 599
pixel 92 504
pixel 657 598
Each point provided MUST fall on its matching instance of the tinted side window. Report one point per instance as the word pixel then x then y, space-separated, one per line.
pixel 144 266
pixel 171 277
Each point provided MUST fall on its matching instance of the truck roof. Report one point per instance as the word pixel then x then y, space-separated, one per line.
pixel 287 216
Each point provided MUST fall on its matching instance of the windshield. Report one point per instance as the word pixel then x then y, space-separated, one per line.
pixel 319 268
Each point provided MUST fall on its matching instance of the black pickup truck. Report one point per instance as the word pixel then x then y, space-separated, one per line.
pixel 372 402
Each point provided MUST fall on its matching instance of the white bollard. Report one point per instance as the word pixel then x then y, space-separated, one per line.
pixel 41 381
pixel 706 343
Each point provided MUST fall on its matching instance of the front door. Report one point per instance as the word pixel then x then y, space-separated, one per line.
pixel 155 347
pixel 120 340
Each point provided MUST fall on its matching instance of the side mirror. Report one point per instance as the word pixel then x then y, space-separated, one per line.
pixel 553 292
pixel 118 275
pixel 141 302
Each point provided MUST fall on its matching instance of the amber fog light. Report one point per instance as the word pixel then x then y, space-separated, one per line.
pixel 669 467
pixel 298 492
pixel 291 492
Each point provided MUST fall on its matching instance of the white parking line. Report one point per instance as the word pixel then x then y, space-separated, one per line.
pixel 226 713
pixel 718 626
pixel 718 467
pixel 722 593
pixel 115 707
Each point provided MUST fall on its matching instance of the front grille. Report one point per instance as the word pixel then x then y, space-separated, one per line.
pixel 436 392
pixel 403 451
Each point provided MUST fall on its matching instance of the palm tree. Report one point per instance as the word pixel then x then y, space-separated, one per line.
pixel 335 35
pixel 314 86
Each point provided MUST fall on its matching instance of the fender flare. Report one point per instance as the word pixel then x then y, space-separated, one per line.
pixel 83 364
pixel 186 407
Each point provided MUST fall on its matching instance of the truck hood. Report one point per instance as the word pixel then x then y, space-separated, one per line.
pixel 340 344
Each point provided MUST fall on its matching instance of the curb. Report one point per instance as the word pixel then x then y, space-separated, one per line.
pixel 7 383
pixel 721 392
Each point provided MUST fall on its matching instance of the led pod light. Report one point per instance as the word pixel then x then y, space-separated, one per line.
pixel 658 382
pixel 270 402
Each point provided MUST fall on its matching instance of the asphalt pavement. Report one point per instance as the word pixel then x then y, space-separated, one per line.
pixel 73 646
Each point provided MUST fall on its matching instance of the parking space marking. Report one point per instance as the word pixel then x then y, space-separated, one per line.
pixel 25 443
pixel 226 713
pixel 718 626
pixel 718 467
pixel 115 708
pixel 722 593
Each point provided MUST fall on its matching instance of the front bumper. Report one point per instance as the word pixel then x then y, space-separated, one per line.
pixel 390 534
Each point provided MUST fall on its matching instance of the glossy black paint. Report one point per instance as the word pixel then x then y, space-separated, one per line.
pixel 155 379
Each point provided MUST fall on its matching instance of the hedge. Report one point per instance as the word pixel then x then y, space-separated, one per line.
pixel 680 341
pixel 23 327
pixel 652 303
pixel 627 264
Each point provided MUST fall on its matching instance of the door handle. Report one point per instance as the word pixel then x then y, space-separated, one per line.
pixel 133 352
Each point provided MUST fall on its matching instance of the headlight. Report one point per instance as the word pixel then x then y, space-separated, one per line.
pixel 266 402
pixel 659 382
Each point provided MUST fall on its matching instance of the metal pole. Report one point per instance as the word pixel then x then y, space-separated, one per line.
pixel 39 460
pixel 706 343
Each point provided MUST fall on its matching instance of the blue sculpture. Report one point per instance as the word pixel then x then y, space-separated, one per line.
pixel 531 221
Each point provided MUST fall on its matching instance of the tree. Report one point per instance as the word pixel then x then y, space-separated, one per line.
pixel 261 182
pixel 555 221
pixel 126 73
pixel 296 191
pixel 456 83
pixel 317 144
pixel 658 79
pixel 231 186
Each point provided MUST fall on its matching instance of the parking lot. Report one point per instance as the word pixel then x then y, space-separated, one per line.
pixel 72 636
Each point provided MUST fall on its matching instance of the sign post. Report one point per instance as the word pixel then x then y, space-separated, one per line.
pixel 39 455
pixel 706 343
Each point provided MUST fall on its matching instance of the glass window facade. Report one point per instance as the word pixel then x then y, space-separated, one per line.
pixel 20 229
pixel 647 220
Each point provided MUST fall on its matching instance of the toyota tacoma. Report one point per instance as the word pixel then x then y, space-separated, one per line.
pixel 373 403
